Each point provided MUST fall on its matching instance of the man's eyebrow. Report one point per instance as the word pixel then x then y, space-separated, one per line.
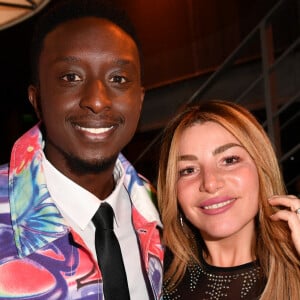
pixel 72 59
pixel 225 147
pixel 67 59
pixel 122 62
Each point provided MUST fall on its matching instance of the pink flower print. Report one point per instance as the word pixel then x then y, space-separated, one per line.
pixel 24 151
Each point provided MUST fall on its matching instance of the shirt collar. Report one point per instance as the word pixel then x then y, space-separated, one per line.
pixel 77 203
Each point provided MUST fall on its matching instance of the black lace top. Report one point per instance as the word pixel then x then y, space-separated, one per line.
pixel 207 282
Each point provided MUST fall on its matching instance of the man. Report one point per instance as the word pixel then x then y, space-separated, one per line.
pixel 87 94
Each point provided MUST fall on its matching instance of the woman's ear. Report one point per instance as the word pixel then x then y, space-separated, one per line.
pixel 34 98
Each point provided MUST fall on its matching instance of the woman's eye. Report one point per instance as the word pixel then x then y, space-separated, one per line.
pixel 186 171
pixel 71 77
pixel 118 79
pixel 231 160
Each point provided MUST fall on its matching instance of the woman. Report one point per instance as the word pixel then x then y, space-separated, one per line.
pixel 229 228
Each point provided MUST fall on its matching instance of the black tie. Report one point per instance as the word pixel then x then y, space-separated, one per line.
pixel 109 255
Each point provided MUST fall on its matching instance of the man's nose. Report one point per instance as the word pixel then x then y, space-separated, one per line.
pixel 95 97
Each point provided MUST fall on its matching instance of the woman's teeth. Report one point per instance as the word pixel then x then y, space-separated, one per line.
pixel 218 205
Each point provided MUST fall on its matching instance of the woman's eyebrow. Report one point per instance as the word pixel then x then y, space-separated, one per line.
pixel 187 157
pixel 225 147
pixel 218 150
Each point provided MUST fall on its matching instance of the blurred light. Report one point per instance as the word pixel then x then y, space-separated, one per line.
pixel 13 12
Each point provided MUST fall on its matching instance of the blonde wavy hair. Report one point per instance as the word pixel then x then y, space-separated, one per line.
pixel 273 248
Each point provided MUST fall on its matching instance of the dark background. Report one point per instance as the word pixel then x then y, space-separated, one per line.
pixel 183 41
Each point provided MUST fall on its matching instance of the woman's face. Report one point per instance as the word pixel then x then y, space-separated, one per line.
pixel 218 184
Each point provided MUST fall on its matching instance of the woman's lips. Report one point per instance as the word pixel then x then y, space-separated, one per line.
pixel 217 205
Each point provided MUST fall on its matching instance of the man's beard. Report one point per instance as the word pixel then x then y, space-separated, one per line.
pixel 80 166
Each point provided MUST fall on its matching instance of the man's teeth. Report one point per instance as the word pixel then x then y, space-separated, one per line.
pixel 95 130
pixel 218 205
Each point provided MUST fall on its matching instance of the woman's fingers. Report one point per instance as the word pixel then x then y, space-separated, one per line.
pixel 291 215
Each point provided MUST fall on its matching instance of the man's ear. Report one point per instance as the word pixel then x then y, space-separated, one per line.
pixel 142 97
pixel 34 98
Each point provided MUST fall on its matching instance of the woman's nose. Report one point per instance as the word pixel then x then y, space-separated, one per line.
pixel 95 97
pixel 211 181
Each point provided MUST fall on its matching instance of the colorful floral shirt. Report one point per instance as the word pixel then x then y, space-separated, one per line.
pixel 41 257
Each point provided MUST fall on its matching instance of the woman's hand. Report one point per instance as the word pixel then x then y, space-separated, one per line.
pixel 291 216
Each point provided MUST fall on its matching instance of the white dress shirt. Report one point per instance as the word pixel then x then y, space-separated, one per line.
pixel 78 206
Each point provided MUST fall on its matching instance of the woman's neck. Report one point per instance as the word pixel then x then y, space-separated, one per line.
pixel 232 251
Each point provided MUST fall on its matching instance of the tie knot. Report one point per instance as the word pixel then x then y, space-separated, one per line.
pixel 104 216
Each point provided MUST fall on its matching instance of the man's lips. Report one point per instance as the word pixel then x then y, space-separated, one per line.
pixel 95 130
pixel 96 127
pixel 98 123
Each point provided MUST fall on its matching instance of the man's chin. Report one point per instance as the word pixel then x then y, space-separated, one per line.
pixel 82 166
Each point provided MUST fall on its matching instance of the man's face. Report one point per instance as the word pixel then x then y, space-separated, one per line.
pixel 89 95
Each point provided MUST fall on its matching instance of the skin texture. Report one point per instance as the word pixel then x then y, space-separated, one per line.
pixel 89 99
pixel 216 173
pixel 292 203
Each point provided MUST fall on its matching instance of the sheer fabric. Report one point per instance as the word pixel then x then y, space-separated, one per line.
pixel 206 282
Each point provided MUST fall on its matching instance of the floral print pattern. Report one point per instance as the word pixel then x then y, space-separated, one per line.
pixel 40 256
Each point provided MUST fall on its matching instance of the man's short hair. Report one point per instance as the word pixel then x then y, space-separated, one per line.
pixel 64 10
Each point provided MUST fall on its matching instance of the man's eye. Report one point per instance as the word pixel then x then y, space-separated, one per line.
pixel 118 79
pixel 71 77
